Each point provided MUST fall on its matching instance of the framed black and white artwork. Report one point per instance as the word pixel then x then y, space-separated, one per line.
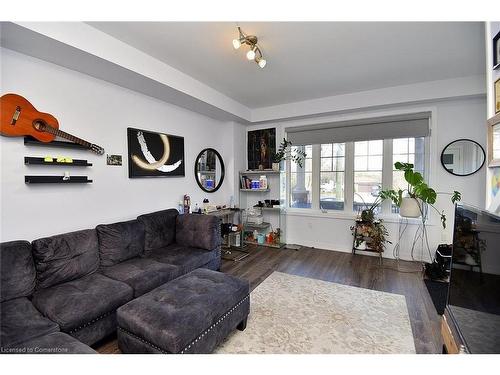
pixel 152 154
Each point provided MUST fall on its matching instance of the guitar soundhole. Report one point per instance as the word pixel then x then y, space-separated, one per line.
pixel 39 125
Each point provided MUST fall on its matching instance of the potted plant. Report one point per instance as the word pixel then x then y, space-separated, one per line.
pixel 368 229
pixel 373 234
pixel 285 153
pixel 412 200
pixel 368 213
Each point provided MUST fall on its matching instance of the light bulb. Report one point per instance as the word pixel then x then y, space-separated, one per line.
pixel 251 54
pixel 262 62
pixel 236 43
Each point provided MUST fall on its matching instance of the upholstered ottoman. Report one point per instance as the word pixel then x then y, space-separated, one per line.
pixel 191 314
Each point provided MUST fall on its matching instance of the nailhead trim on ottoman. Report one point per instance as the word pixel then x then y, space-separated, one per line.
pixel 186 349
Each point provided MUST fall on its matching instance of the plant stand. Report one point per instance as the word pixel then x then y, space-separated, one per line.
pixel 359 237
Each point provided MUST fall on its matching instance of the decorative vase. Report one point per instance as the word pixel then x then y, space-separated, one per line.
pixel 410 207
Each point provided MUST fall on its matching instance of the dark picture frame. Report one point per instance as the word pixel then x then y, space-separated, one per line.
pixel 496 51
pixel 261 148
pixel 147 148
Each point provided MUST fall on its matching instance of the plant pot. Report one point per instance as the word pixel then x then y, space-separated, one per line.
pixel 367 215
pixel 410 207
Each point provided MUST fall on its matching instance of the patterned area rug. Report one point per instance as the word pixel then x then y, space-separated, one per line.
pixel 293 314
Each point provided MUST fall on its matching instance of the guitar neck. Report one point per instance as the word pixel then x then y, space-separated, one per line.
pixel 63 134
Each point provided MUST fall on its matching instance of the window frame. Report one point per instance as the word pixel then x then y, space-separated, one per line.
pixel 348 211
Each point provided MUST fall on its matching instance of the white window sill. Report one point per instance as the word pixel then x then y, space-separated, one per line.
pixel 346 215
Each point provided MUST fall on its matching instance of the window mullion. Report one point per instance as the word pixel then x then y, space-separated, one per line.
pixel 316 166
pixel 387 173
pixel 349 177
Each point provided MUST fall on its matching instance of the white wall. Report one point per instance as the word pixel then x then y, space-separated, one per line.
pixel 99 112
pixel 453 119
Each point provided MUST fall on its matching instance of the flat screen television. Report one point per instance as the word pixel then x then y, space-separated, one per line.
pixel 474 291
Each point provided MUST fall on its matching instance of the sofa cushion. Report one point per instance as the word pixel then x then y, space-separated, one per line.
pixel 159 229
pixel 65 257
pixel 77 302
pixel 17 270
pixel 120 241
pixel 186 258
pixel 202 231
pixel 53 343
pixel 142 274
pixel 21 321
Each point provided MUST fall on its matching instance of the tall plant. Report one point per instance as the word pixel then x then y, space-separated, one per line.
pixel 285 153
pixel 418 190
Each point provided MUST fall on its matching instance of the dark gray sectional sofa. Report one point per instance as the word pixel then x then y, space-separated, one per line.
pixel 61 293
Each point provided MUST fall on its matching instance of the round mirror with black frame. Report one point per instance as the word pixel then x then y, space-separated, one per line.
pixel 463 157
pixel 209 170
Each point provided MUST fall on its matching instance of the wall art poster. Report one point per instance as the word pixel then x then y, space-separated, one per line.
pixel 261 148
pixel 152 154
pixel 495 191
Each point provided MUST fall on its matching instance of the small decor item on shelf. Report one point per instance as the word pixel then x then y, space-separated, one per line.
pixel 254 216
pixel 285 153
pixel 113 159
pixel 263 182
pixel 187 204
pixel 276 236
pixel 180 207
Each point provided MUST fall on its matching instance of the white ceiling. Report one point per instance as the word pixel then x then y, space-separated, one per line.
pixel 309 60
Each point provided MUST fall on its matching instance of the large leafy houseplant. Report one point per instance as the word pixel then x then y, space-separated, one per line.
pixel 418 190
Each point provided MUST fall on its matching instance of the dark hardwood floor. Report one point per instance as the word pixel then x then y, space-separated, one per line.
pixel 357 270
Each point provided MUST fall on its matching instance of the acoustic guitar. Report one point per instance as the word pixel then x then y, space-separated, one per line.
pixel 18 118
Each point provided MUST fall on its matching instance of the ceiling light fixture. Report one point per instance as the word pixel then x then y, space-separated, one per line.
pixel 255 53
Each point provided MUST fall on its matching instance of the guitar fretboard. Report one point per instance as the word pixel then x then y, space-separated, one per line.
pixel 62 134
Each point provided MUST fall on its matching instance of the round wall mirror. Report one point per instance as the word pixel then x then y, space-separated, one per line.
pixel 463 157
pixel 209 170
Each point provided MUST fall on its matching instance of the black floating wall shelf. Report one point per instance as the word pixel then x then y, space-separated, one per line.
pixel 29 141
pixel 41 161
pixel 56 180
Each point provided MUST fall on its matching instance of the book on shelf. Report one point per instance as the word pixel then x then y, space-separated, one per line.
pixel 245 182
